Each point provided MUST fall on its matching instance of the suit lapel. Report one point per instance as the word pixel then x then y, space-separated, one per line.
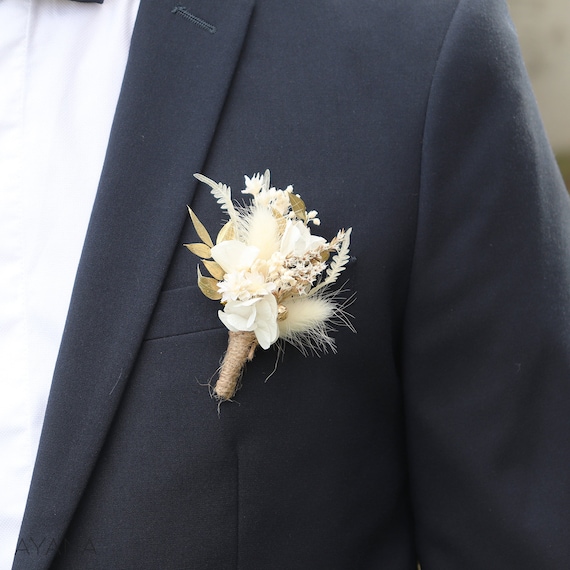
pixel 177 77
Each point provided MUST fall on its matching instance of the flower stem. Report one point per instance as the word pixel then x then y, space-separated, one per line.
pixel 241 349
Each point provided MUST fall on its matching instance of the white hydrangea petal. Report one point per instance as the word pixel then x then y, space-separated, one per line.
pixel 258 315
pixel 266 329
pixel 290 237
pixel 239 315
pixel 297 239
pixel 228 320
pixel 233 255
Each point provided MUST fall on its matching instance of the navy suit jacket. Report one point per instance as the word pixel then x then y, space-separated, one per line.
pixel 441 430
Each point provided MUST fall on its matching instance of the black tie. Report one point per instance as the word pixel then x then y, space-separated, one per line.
pixel 98 1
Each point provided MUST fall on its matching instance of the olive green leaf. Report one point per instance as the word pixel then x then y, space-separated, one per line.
pixel 298 206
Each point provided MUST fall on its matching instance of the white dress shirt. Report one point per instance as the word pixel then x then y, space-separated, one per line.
pixel 61 68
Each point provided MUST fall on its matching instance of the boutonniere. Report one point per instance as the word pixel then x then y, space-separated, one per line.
pixel 271 274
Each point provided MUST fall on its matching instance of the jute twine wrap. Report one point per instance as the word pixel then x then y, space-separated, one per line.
pixel 241 348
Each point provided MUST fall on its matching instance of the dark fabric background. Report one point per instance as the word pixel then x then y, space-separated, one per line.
pixel 440 430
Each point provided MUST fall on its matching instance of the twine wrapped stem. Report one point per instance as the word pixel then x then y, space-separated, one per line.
pixel 241 349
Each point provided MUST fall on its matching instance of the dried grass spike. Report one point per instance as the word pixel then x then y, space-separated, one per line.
pixel 222 193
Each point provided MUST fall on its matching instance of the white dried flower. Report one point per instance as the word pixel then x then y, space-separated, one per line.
pixel 258 315
pixel 253 185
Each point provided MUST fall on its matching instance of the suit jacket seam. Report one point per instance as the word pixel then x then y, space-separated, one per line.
pixel 420 191
pixel 422 156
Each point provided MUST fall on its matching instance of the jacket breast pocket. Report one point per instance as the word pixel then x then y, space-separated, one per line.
pixel 183 311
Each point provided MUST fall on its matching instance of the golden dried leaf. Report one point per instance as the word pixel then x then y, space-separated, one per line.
pixel 215 269
pixel 226 233
pixel 199 249
pixel 325 255
pixel 298 206
pixel 209 287
pixel 200 229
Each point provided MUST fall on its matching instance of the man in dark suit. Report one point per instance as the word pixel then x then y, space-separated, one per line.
pixel 440 431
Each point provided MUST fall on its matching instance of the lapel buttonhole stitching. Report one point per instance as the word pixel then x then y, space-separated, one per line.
pixel 181 10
